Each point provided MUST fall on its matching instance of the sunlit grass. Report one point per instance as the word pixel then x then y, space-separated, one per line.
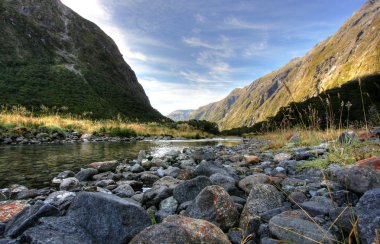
pixel 12 121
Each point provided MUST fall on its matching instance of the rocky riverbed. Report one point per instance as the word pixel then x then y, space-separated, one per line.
pixel 220 194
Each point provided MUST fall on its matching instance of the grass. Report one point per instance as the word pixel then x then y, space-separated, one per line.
pixel 18 120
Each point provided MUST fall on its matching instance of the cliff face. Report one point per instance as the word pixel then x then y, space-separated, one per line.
pixel 352 52
pixel 51 56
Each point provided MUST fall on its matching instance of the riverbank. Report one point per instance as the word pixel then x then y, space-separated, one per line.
pixel 19 126
pixel 249 193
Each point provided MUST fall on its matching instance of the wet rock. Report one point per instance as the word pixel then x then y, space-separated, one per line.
pixel 200 154
pixel 141 156
pixel 248 182
pixel 295 227
pixel 106 176
pixel 262 198
pixel 167 207
pixel 108 218
pixel 86 174
pixel 149 179
pixel 179 229
pixel 124 191
pixel 137 168
pixel 29 217
pixel 8 209
pixel 58 231
pixel 155 195
pixel 70 184
pixel 210 168
pixel 65 174
pixel 105 166
pixel 215 205
pixel 282 157
pixel 251 159
pixel 368 213
pixel 188 190
pixel 356 179
pixel 227 182
pixel 32 193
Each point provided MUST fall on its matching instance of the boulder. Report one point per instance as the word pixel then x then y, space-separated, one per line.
pixel 210 168
pixel 344 217
pixel 108 218
pixel 155 195
pixel 31 193
pixel 318 205
pixel 58 231
pixel 137 168
pixel 354 178
pixel 373 162
pixel 189 189
pixel 8 209
pixel 28 217
pixel 295 227
pixel 215 205
pixel 105 166
pixel 180 229
pixel 124 191
pixel 262 198
pixel 227 182
pixel 368 213
pixel 141 156
pixel 200 154
pixel 86 174
pixel 248 182
pixel 168 181
pixel 167 207
pixel 149 179
pixel 70 184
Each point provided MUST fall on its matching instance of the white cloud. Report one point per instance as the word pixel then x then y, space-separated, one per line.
pixel 200 18
pixel 185 96
pixel 235 23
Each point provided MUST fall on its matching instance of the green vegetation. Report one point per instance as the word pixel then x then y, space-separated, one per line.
pixel 84 73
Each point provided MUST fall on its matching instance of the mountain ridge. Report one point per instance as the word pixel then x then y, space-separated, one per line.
pixel 353 51
pixel 52 56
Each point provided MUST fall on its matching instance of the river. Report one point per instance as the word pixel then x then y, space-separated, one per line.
pixel 35 165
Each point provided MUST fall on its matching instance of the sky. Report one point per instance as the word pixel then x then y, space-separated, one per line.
pixel 189 53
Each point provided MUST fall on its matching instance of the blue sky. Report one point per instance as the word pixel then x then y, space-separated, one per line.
pixel 188 53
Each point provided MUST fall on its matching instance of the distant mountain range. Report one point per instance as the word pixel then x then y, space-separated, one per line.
pixel 51 56
pixel 180 115
pixel 351 53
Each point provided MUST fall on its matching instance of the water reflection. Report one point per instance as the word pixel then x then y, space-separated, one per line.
pixel 36 165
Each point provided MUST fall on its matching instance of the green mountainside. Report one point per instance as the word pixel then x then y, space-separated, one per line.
pixel 51 56
pixel 352 52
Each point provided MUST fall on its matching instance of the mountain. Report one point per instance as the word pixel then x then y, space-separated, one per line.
pixel 351 53
pixel 180 115
pixel 51 56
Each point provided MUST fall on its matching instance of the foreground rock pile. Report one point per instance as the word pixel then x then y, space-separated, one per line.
pixel 200 195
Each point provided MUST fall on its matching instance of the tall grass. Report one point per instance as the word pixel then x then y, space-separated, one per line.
pixel 14 118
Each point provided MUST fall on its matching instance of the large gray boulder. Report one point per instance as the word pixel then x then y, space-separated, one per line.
pixel 188 190
pixel 92 218
pixel 180 229
pixel 296 227
pixel 368 213
pixel 354 178
pixel 215 205
pixel 262 198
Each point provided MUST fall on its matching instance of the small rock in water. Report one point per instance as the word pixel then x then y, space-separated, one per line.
pixel 69 184
pixel 86 174
pixel 105 166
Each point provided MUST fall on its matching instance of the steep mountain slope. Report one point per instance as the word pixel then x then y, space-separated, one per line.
pixel 180 115
pixel 51 56
pixel 354 51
